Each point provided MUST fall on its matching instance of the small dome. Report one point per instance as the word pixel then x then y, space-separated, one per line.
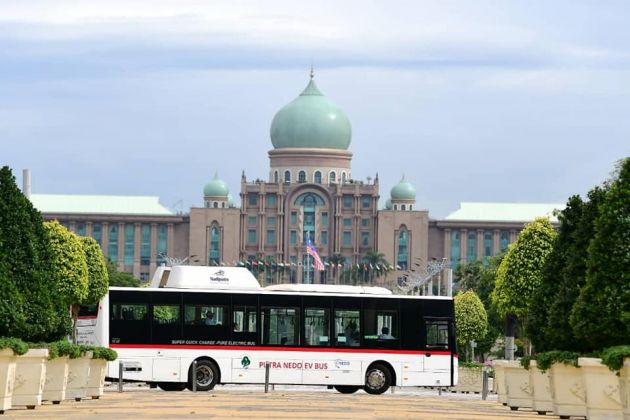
pixel 216 188
pixel 311 120
pixel 388 204
pixel 403 191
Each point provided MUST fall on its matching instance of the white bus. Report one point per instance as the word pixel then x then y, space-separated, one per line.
pixel 346 337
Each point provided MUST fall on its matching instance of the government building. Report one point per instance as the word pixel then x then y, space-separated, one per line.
pixel 309 194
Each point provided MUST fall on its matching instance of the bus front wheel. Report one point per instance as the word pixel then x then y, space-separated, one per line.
pixel 172 386
pixel 377 379
pixel 206 377
pixel 347 389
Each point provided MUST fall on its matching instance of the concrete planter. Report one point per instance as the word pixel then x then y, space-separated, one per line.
pixel 96 381
pixel 518 390
pixel 624 387
pixel 30 375
pixel 470 379
pixel 78 374
pixel 602 390
pixel 499 380
pixel 7 378
pixel 541 389
pixel 56 380
pixel 567 391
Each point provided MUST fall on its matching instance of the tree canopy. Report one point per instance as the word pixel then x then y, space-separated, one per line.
pixel 98 278
pixel 601 314
pixel 69 267
pixel 120 279
pixel 29 303
pixel 470 317
pixel 520 272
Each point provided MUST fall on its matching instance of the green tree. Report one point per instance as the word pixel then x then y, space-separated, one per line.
pixel 468 275
pixel 520 272
pixel 120 279
pixel 375 259
pixel 29 306
pixel 564 275
pixel 601 314
pixel 69 268
pixel 471 319
pixel 98 278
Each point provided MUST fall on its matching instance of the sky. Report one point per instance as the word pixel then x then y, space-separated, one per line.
pixel 484 101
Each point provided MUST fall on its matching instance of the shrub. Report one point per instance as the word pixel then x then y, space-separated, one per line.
pixel 101 352
pixel 613 357
pixel 546 359
pixel 18 346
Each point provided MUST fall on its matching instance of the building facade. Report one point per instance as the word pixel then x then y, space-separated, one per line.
pixel 308 196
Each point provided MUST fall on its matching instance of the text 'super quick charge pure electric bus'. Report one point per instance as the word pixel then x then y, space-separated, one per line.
pixel 349 337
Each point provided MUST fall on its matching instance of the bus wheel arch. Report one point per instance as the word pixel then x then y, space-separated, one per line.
pixel 379 376
pixel 208 374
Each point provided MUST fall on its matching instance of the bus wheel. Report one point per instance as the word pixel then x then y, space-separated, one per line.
pixel 207 376
pixel 172 386
pixel 347 389
pixel 377 379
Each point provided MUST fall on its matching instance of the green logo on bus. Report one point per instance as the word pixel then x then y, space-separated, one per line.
pixel 245 362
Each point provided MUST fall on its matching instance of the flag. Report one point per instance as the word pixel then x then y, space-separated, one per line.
pixel 312 251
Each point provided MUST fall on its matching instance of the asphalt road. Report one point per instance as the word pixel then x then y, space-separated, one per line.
pixel 282 403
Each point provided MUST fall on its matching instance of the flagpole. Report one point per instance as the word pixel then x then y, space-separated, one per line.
pixel 308 257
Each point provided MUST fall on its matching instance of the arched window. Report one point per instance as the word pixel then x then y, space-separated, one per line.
pixel 317 178
pixel 343 177
pixel 287 176
pixel 215 241
pixel 402 259
pixel 410 207
pixel 395 206
pixel 223 205
pixel 332 178
pixel 302 176
pixel 215 205
pixel 402 207
pixel 275 177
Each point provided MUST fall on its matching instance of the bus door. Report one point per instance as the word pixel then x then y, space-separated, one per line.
pixel 439 350
pixel 246 365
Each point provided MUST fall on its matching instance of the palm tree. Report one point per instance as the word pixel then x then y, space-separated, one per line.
pixel 376 259
pixel 336 259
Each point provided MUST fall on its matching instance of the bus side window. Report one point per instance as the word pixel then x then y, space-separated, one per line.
pixel 281 326
pixel 347 328
pixel 436 334
pixel 129 312
pixel 244 319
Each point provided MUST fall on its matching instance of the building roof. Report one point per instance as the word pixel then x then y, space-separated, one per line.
pixel 403 191
pixel 311 120
pixel 504 212
pixel 216 188
pixel 99 204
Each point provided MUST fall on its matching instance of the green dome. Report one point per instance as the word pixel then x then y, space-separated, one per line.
pixel 403 191
pixel 311 120
pixel 216 188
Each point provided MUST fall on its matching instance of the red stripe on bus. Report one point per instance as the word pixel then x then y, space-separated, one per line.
pixel 259 348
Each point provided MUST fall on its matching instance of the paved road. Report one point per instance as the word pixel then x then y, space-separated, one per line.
pixel 282 403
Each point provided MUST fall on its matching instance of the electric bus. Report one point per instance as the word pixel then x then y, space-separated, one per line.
pixel 346 337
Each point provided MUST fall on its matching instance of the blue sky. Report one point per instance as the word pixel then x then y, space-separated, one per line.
pixel 520 101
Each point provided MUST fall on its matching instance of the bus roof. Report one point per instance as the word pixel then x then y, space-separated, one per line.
pixel 329 288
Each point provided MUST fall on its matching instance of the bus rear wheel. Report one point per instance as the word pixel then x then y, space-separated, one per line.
pixel 347 389
pixel 378 378
pixel 172 386
pixel 207 376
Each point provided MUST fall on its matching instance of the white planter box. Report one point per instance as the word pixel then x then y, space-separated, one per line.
pixel 602 390
pixel 78 374
pixel 56 380
pixel 567 390
pixel 96 382
pixel 624 387
pixel 470 379
pixel 541 389
pixel 499 380
pixel 30 375
pixel 7 378
pixel 518 390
